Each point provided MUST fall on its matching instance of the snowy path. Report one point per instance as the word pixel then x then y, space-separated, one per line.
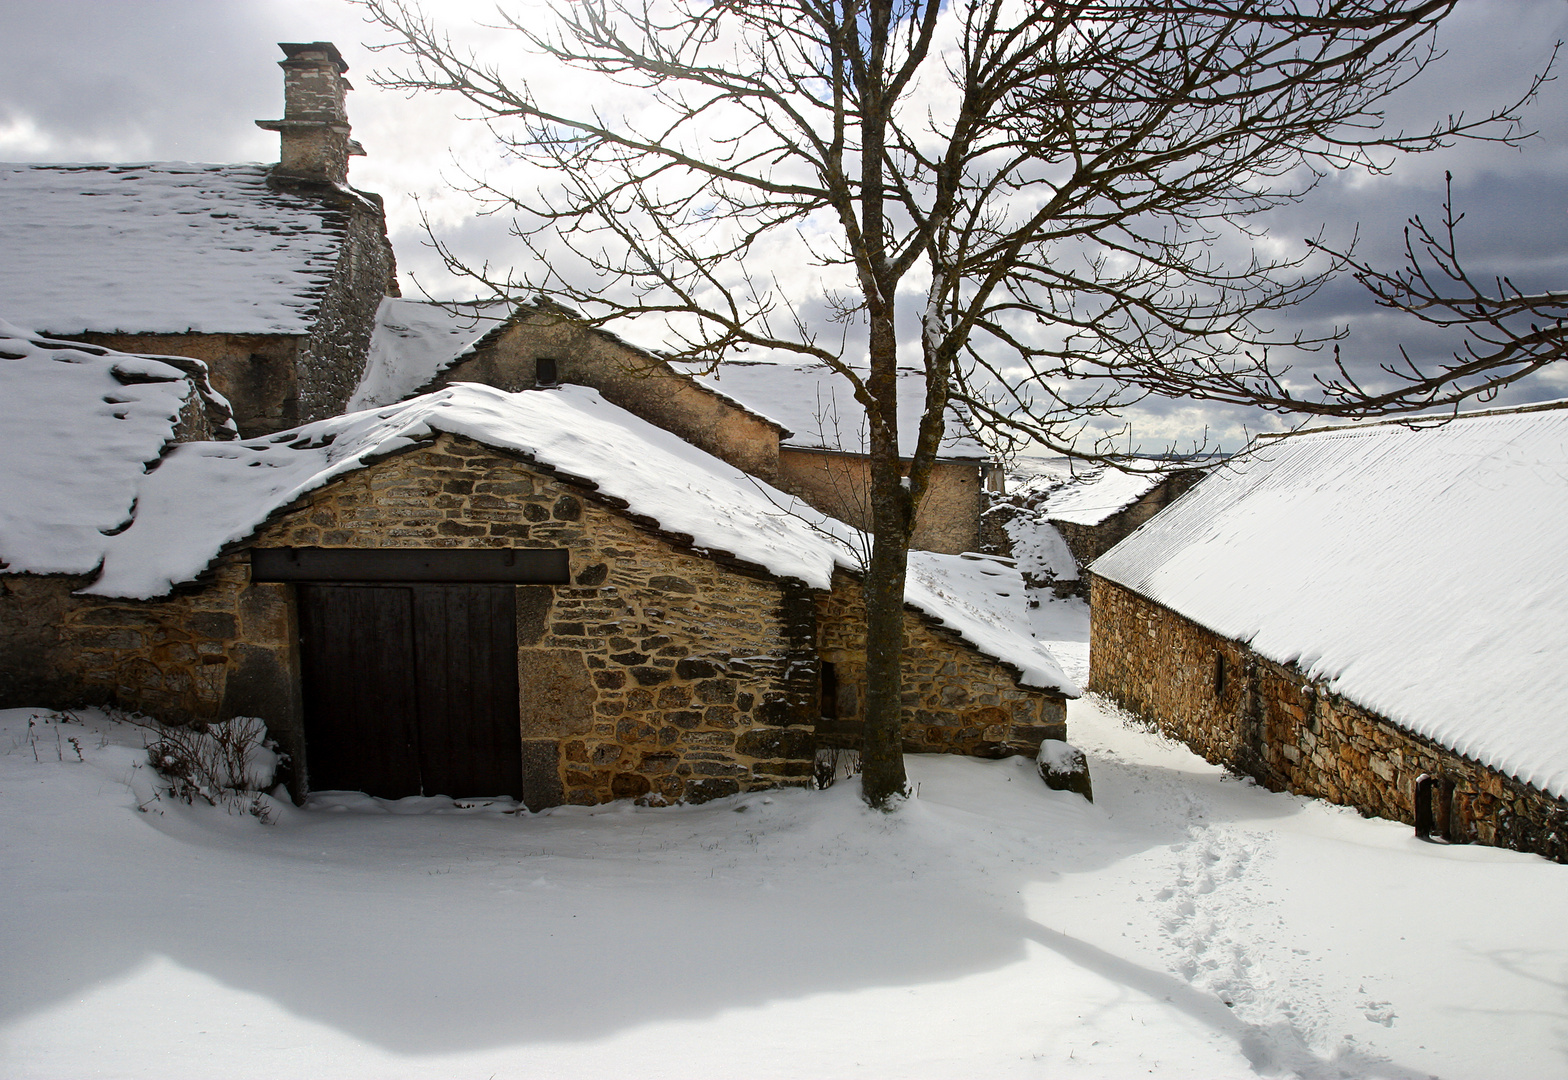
pixel 1187 924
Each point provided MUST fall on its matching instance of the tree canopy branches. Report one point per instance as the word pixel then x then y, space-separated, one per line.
pixel 1057 190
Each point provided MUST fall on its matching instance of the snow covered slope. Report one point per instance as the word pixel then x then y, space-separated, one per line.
pixel 1184 926
pixel 1420 572
pixel 166 247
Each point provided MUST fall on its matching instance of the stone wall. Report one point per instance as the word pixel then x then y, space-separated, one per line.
pixel 637 381
pixel 204 654
pixel 957 700
pixel 332 358
pixel 255 372
pixel 1089 542
pixel 1269 721
pixel 948 519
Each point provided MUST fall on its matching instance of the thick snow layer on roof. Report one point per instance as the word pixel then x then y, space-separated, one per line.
pixel 78 426
pixel 75 493
pixel 1090 498
pixel 983 600
pixel 166 247
pixel 206 495
pixel 416 340
pixel 1419 572
pixel 817 405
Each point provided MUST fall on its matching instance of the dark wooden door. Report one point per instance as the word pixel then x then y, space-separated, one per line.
pixel 411 689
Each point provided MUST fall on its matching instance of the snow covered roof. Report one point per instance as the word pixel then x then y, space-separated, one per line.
pixel 1419 572
pixel 572 429
pixel 166 247
pixel 1090 498
pixel 816 405
pixel 983 600
pixel 79 426
pixel 416 340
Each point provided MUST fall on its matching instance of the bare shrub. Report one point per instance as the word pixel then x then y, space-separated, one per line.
pixel 229 763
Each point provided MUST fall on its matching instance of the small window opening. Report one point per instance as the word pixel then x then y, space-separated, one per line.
pixel 1219 675
pixel 829 691
pixel 545 373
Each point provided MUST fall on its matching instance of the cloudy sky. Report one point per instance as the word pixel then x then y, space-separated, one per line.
pixel 142 80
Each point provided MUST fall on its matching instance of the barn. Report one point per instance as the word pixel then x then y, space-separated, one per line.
pixel 1374 615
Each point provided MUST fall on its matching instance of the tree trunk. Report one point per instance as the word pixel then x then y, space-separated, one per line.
pixel 892 521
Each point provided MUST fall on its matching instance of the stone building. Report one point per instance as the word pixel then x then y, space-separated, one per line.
pixel 421 346
pixel 1374 615
pixel 476 592
pixel 270 276
pixel 1096 512
pixel 793 425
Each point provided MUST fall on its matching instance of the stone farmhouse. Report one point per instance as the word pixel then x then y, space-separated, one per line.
pixel 1371 615
pixel 271 277
pixel 526 567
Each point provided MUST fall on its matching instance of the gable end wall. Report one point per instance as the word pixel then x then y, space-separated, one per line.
pixel 638 383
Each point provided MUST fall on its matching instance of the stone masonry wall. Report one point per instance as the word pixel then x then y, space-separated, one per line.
pixel 255 372
pixel 332 359
pixel 948 519
pixel 204 654
pixel 1269 721
pixel 636 381
pixel 957 700
pixel 656 673
pixel 1089 542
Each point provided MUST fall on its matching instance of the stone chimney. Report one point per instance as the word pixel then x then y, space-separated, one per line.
pixel 315 130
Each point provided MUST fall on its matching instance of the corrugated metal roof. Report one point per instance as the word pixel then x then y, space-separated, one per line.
pixel 1420 572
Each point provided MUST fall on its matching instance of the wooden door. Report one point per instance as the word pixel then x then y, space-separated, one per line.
pixel 411 689
pixel 466 639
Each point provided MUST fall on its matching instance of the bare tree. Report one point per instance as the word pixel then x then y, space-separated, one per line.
pixel 1509 334
pixel 1054 182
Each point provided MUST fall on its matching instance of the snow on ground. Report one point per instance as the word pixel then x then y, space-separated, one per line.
pixel 1186 924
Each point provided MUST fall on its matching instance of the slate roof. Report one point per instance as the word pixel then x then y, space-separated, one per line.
pixel 164 247
pixel 1419 572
